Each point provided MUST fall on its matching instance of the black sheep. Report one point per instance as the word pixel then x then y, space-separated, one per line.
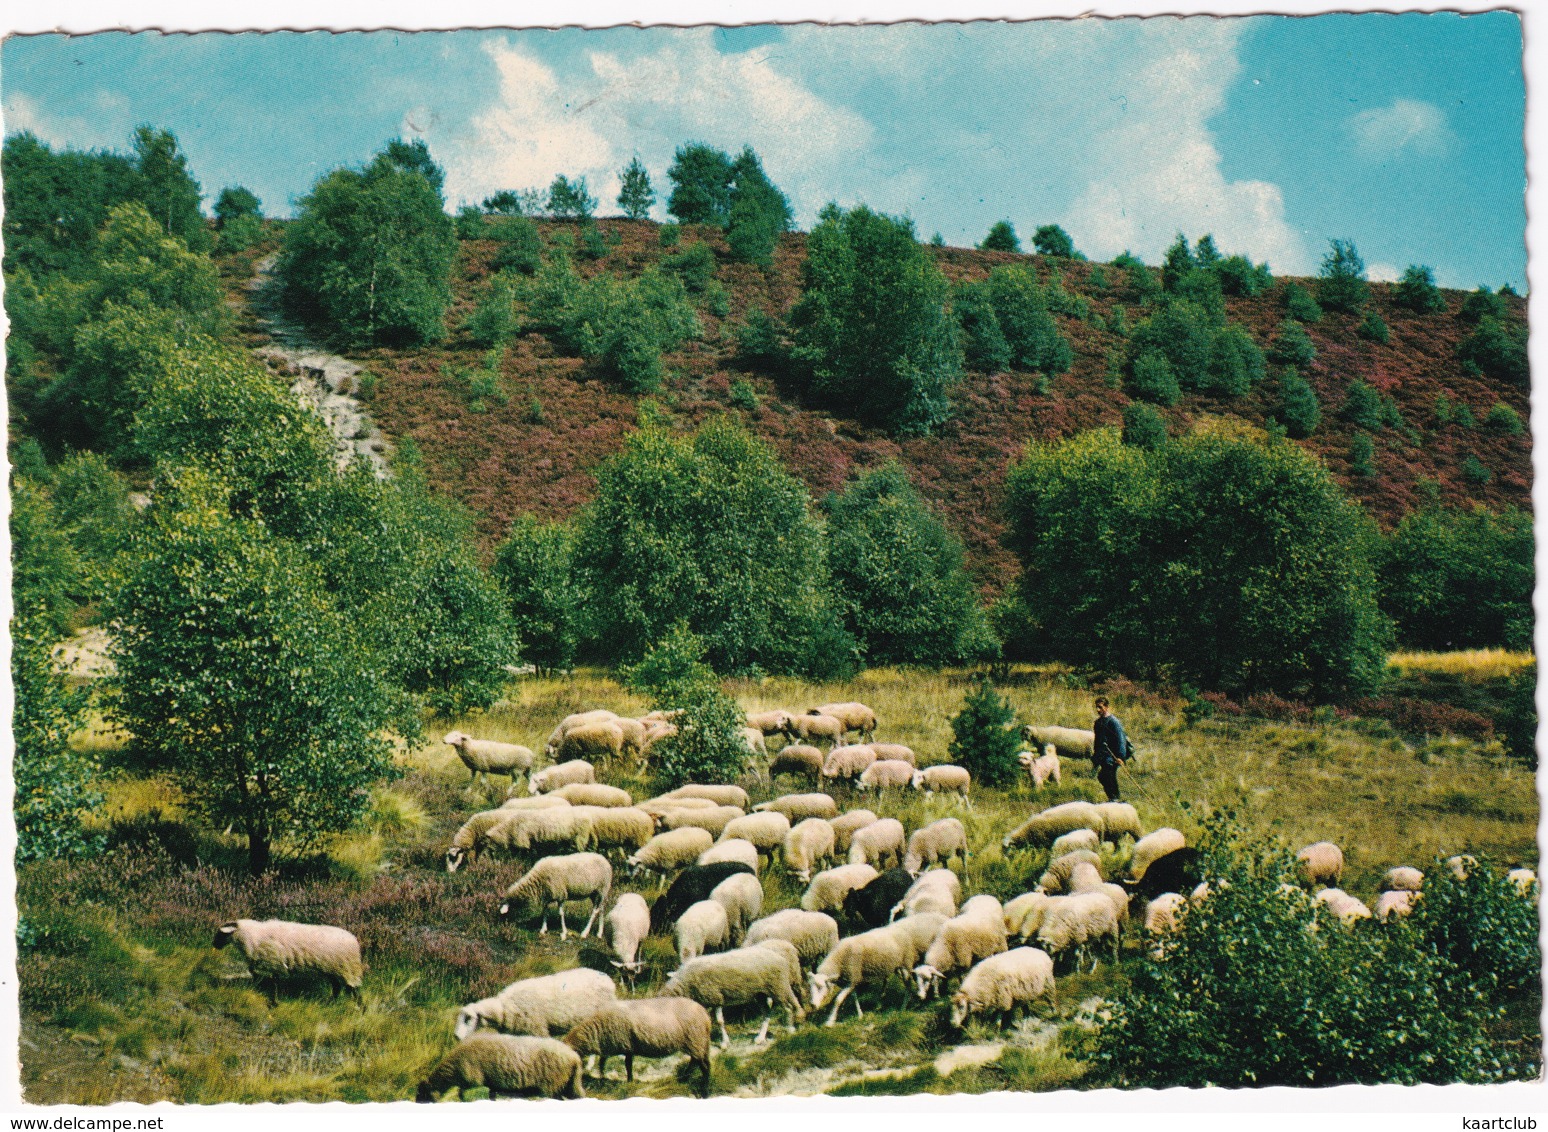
pixel 692 885
pixel 872 904
pixel 1180 871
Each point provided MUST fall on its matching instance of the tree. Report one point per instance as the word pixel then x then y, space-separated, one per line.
pixel 1454 578
pixel 504 203
pixel 569 200
pixel 1299 304
pixel 1151 378
pixel 1298 409
pixel 635 196
pixel 898 575
pixel 701 179
pixel 1341 283
pixel 168 190
pixel 984 737
pixel 370 254
pixel 1292 346
pixel 708 745
pixel 1178 263
pixel 1497 350
pixel 759 212
pixel 873 328
pixel 535 568
pixel 1480 304
pixel 1238 276
pixel 1022 310
pixel 235 202
pixel 1050 239
pixel 1001 238
pixel 1417 291
pixel 519 246
pixel 709 530
pixel 983 341
pixel 1205 254
pixel 55 203
pixel 1225 558
pixel 1372 328
pixel 414 157
pixel 1363 407
pixel 1143 426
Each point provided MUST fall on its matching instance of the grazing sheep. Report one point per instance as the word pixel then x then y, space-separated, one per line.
pixel 1119 819
pixel 878 843
pixel 1178 871
pixel 975 933
pixel 667 852
pixel 507 1066
pixel 1163 915
pixel 722 794
pixel 886 774
pixel 734 978
pixel 1346 907
pixel 827 891
pixel 872 905
pixel 1321 864
pixel 560 775
pixel 752 738
pixel 1461 866
pixel 944 779
pixel 1395 903
pixel 484 757
pixel 693 884
pixel 1023 914
pixel 799 806
pixel 534 802
pixel 474 837
pixel 936 843
pixel 703 927
pixel 1076 921
pixel 774 722
pixel 1402 878
pixel 848 763
pixel 806 844
pixel 870 957
pixel 818 728
pixel 1056 878
pixel 592 741
pixel 646 1027
pixel 766 830
pixel 844 827
pixel 625 928
pixel 742 897
pixel 570 722
pixel 812 934
pixel 656 733
pixel 636 736
pixel 935 892
pixel 1524 879
pixel 540 1006
pixel 895 752
pixel 594 794
pixel 711 818
pixel 660 807
pixel 1042 828
pixel 798 759
pixel 558 880
pixel 539 832
pixel 1070 742
pixel 854 716
pixel 622 828
pixel 737 849
pixel 1078 839
pixel 1002 983
pixel 1152 847
pixel 1041 768
pixel 279 949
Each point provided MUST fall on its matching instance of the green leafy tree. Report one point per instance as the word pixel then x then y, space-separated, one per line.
pixel 984 737
pixel 1497 350
pixel 694 265
pixel 1362 455
pixel 708 744
pixel 470 223
pixel 519 246
pixel 1052 240
pixel 1238 276
pixel 1143 426
pixel 570 200
pixel 1151 378
pixel 1417 291
pixel 1001 238
pixel 1235 363
pixel 1292 346
pixel 759 212
pixel 1341 283
pixel 1455 578
pixel 167 189
pixel 1021 308
pixel 635 195
pixel 1517 724
pixel 1298 409
pixel 1481 304
pixel 1205 255
pixel 712 531
pixel 414 157
pixel 494 319
pixel 1300 305
pixel 504 203
pixel 701 179
pixel 235 202
pixel 369 256
pixel 55 203
pixel 1372 328
pixel 1178 264
pixel 898 575
pixel 984 346
pixel 873 327
pixel 1363 407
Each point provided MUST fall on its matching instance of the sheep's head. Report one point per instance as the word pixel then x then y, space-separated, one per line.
pixel 455 856
pixel 517 907
pixel 912 863
pixel 959 1009
pixel 468 1020
pixel 918 780
pixel 822 987
pixel 225 933
pixel 454 738
pixel 927 980
pixel 535 783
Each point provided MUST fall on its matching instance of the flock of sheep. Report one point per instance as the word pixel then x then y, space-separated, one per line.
pixel 703 847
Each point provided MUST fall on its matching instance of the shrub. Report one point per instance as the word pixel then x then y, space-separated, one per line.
pixel 635 196
pixel 469 222
pixel 1292 346
pixel 1417 291
pixel 743 395
pixel 1239 277
pixel 708 745
pixel 593 244
pixel 1298 409
pixel 1152 379
pixel 701 179
pixel 1480 927
pixel 1341 283
pixel 984 737
pixel 1001 238
pixel 1475 472
pixel 1482 304
pixel 1518 719
pixel 1299 304
pixel 241 233
pixel 1363 407
pixel 1021 308
pixel 669 235
pixel 1496 350
pixel 759 213
pixel 569 200
pixel 694 265
pixel 1502 418
pixel 1143 426
pixel 1362 451
pixel 1052 240
pixel 761 343
pixel 494 320
pixel 519 246
pixel 984 346
pixel 1372 327
pixel 1235 364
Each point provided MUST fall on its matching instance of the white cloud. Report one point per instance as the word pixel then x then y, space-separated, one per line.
pixel 108 127
pixel 1406 125
pixel 1383 273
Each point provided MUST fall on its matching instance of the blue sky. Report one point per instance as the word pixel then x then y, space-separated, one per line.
pixel 1403 133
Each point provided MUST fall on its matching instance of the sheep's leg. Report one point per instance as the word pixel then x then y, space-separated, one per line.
pixel 592 918
pixel 837 1002
pixel 544 929
pixel 725 1038
pixel 564 932
pixel 629 1066
pixel 763 1032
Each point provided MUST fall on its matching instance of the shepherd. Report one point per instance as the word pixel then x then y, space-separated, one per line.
pixel 1111 749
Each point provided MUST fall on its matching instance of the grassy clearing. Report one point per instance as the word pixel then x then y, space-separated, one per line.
pixel 1470 664
pixel 123 998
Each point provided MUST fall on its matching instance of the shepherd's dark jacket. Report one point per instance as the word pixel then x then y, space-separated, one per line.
pixel 1111 743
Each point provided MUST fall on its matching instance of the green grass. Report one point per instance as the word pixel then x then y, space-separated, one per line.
pixel 123 998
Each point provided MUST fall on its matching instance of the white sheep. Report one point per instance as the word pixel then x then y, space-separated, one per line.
pixel 1076 839
pixel 733 978
pixel 886 774
pixel 1023 914
pixel 561 775
pixel 766 830
pixel 1071 742
pixel 870 957
pixel 1346 907
pixel 827 891
pixel 1402 878
pixel 1003 983
pixel 667 852
pixel 808 842
pixel 737 849
pixel 1461 866
pixel 1524 879
pixel 1394 904
pixel 1076 921
pixel 543 1006
pixel 1163 916
pixel 556 881
pixel 279 949
pixel 848 763
pixel 474 837
pixel 818 728
pixel 1152 847
pixel 752 738
pixel 895 752
pixel 1321 863
pixel 798 759
pixel 936 892
pixel 703 927
pixel 593 794
pixel 769 722
pixel 711 818
pixel 975 933
pixel 742 897
pixel 646 1027
pixel 1042 828
pixel 626 829
pixel 534 802
pixel 625 928
pixel 813 934
pixel 854 716
pixel 537 832
pixel 878 843
pixel 1041 769
pixel 1056 877
pixel 507 1066
pixel 662 805
pixel 570 722
pixel 936 843
pixel 844 827
pixel 1119 819
pixel 797 807
pixel 604 741
pixel 484 757
pixel 945 778
pixel 722 794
